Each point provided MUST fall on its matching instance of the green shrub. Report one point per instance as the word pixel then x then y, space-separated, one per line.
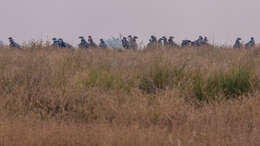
pixel 230 84
pixel 235 83
pixel 197 87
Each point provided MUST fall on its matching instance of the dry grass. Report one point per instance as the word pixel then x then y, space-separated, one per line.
pixel 187 97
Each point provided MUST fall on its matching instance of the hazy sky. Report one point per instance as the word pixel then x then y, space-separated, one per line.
pixel 221 20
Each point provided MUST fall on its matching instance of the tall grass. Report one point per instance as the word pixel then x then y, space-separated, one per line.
pixel 102 97
pixel 161 77
pixel 234 83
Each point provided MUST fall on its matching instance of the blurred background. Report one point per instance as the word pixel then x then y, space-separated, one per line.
pixel 221 20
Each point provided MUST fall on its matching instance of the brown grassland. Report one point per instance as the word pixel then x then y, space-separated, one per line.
pixel 158 97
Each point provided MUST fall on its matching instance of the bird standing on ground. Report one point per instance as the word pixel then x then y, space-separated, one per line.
pixel 251 43
pixel 91 43
pixel 171 43
pixel 125 43
pixel 238 44
pixel 102 44
pixel 13 44
pixel 83 43
pixel 55 42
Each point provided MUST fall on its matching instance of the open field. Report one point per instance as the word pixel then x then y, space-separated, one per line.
pixel 171 97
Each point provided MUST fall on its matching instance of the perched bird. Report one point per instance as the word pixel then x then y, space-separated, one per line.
pixel 125 43
pixel 186 43
pixel 83 42
pixel 134 41
pixel 55 43
pixel 131 42
pixel 251 43
pixel 91 43
pixel 171 43
pixel 153 39
pixel 102 44
pixel 160 43
pixel 152 42
pixel 13 44
pixel 205 39
pixel 62 44
pixel 198 42
pixel 238 44
pixel 165 41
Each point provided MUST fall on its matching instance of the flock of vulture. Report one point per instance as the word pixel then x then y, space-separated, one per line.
pixel 130 43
